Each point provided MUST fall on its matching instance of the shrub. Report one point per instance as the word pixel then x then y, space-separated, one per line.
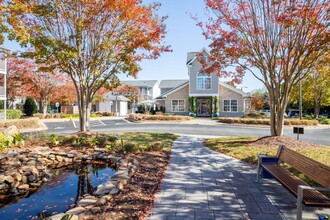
pixel 130 147
pixel 18 140
pixel 108 113
pixel 30 106
pixel 156 146
pixel 266 121
pixel 255 114
pixel 13 113
pixel 54 139
pixel 5 142
pixel 164 117
pixel 324 120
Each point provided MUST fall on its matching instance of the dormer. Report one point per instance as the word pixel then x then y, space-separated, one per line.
pixel 201 84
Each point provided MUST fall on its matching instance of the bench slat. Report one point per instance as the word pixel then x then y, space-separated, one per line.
pixel 291 182
pixel 317 171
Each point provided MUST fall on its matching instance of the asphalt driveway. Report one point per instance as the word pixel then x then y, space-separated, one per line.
pixel 194 127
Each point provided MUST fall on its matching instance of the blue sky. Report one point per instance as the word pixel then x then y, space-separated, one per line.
pixel 184 36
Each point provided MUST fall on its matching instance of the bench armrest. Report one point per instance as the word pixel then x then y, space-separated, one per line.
pixel 265 158
pixel 311 187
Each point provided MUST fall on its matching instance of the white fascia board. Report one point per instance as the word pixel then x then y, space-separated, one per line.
pixel 203 95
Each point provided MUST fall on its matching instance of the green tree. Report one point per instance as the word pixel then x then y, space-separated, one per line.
pixel 92 41
pixel 315 90
pixel 30 106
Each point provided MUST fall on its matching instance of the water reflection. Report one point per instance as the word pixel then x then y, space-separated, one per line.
pixel 65 189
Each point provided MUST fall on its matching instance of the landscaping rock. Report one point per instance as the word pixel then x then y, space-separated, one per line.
pixel 96 210
pixel 87 202
pixel 8 179
pixel 75 211
pixel 31 163
pixel 24 179
pixel 114 191
pixel 23 187
pixel 17 176
pixel 11 131
pixel 58 216
pixel 59 158
pixel 101 201
pixel 107 197
pixel 3 188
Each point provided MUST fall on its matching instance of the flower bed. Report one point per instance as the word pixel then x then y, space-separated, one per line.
pixel 164 117
pixel 267 121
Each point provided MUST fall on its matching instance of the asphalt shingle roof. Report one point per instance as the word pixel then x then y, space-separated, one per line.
pixel 140 83
pixel 172 83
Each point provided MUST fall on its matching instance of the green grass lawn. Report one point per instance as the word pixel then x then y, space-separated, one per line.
pixel 145 138
pixel 243 149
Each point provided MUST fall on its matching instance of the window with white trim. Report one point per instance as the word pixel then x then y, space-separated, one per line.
pixel 230 105
pixel 248 104
pixel 203 81
pixel 178 105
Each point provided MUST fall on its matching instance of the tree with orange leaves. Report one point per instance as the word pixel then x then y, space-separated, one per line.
pixel 277 41
pixel 33 81
pixel 90 40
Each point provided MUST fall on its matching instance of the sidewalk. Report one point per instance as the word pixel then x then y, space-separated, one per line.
pixel 203 184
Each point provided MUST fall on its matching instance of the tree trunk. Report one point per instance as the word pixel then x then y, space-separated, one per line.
pixel 84 106
pixel 317 107
pixel 277 105
pixel 43 106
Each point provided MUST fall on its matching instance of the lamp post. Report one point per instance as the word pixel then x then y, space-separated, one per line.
pixel 300 99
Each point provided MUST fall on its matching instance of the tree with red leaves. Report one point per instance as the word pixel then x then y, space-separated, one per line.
pixel 40 85
pixel 277 41
pixel 90 40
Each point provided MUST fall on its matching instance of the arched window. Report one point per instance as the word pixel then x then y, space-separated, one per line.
pixel 203 81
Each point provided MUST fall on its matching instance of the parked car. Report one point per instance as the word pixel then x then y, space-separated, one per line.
pixel 267 113
pixel 293 113
pixel 325 115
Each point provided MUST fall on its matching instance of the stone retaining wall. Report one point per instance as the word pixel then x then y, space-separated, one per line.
pixel 23 171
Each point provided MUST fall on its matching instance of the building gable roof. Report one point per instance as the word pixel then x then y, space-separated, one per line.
pixel 110 97
pixel 172 83
pixel 226 85
pixel 173 90
pixel 140 83
pixel 192 56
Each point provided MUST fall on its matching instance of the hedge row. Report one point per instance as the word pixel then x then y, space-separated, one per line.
pixel 266 121
pixel 61 115
pixel 12 113
pixel 21 123
pixel 146 117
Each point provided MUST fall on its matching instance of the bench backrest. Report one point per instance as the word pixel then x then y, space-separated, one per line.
pixel 317 171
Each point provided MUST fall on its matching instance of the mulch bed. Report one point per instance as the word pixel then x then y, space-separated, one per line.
pixel 137 197
pixel 281 140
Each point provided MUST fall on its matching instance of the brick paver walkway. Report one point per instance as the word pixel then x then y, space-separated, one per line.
pixel 203 184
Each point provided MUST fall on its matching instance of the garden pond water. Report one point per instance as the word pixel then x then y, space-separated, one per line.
pixel 62 193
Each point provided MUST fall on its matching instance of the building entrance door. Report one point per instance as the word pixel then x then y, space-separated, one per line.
pixel 204 107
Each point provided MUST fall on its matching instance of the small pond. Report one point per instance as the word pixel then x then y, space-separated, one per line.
pixel 67 186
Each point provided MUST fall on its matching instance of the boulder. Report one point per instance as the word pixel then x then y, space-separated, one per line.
pixel 75 211
pixel 87 202
pixel 11 131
